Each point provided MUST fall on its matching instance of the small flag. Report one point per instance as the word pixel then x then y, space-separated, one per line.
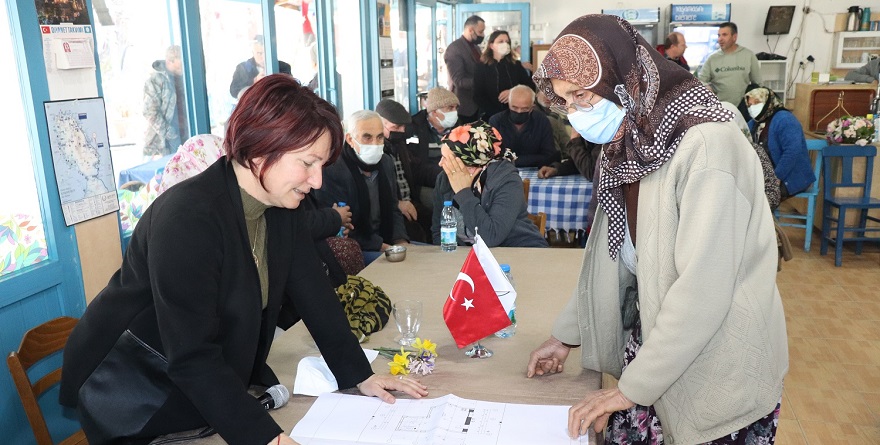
pixel 480 299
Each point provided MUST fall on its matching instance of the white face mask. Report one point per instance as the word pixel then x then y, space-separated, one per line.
pixel 502 49
pixel 449 118
pixel 755 110
pixel 369 154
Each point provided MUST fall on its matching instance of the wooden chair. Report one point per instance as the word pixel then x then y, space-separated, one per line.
pixel 37 344
pixel 861 203
pixel 526 184
pixel 540 220
pixel 810 194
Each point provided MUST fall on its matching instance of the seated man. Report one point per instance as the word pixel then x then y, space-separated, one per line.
pixel 429 126
pixel 396 123
pixel 527 134
pixel 363 177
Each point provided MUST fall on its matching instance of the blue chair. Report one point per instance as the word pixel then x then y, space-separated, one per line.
pixel 810 194
pixel 845 154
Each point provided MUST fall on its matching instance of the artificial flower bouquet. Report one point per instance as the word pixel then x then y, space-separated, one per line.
pixel 850 130
pixel 418 361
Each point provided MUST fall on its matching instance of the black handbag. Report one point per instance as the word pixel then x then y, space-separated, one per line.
pixel 124 392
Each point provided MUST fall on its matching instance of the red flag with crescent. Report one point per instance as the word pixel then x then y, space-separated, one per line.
pixel 473 310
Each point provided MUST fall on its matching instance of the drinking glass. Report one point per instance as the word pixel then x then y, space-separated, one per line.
pixel 408 316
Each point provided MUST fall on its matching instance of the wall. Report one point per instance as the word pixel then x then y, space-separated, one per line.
pixel 549 18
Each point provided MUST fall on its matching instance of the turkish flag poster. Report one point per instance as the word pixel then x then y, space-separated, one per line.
pixel 473 310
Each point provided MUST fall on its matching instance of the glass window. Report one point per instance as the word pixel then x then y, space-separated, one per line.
pixel 349 57
pixel 444 38
pixel 424 47
pixel 232 40
pixel 142 78
pixel 295 30
pixel 399 46
pixel 22 238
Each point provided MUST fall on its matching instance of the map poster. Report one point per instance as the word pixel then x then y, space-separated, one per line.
pixel 81 156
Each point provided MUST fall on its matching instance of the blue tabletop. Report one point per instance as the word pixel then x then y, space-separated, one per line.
pixel 144 172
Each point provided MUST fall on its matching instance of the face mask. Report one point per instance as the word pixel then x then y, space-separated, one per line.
pixel 477 39
pixel 755 110
pixel 449 118
pixel 600 124
pixel 370 154
pixel 395 136
pixel 519 118
pixel 502 49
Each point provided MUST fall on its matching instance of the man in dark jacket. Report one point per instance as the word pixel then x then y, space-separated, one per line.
pixel 462 57
pixel 253 69
pixel 527 134
pixel 429 126
pixel 364 178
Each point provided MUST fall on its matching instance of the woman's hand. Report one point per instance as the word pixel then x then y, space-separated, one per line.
pixel 504 96
pixel 408 210
pixel 283 440
pixel 547 358
pixel 459 176
pixel 594 410
pixel 547 172
pixel 379 385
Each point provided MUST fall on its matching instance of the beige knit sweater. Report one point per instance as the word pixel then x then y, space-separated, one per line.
pixel 714 347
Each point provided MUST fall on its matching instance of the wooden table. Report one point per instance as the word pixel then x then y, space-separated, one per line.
pixel 545 279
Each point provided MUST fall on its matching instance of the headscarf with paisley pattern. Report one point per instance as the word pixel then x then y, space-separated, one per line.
pixel 605 55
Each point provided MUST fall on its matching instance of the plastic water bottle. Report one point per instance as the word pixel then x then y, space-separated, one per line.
pixel 448 228
pixel 341 232
pixel 510 330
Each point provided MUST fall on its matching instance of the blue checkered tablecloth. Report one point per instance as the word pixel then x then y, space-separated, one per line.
pixel 563 198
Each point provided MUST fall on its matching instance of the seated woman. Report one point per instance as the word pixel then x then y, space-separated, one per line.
pixel 781 134
pixel 184 327
pixel 482 182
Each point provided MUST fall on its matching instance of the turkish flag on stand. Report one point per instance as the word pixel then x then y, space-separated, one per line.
pixel 473 309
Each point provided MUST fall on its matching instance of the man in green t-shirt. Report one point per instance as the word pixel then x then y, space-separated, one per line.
pixel 730 69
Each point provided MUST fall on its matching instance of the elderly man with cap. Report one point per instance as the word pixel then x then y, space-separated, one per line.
pixel 429 126
pixel 396 124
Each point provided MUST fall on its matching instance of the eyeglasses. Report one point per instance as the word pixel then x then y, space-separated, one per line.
pixel 578 102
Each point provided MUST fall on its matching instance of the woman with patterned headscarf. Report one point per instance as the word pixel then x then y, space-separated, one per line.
pixel 677 296
pixel 780 133
pixel 480 179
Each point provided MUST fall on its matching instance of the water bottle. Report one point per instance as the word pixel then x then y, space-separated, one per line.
pixel 341 232
pixel 510 330
pixel 448 228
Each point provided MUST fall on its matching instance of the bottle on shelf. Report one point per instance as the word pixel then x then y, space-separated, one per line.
pixel 341 232
pixel 509 331
pixel 448 228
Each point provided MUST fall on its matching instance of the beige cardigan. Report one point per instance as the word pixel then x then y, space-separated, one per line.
pixel 714 344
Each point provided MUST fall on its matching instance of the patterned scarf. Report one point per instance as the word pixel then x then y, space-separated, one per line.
pixel 476 143
pixel 605 55
pixel 772 104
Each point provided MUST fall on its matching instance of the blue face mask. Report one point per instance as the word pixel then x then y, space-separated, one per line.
pixel 600 124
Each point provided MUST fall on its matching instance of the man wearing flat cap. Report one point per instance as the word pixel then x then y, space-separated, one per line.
pixel 396 123
pixel 429 126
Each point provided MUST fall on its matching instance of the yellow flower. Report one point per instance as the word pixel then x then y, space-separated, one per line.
pixel 400 363
pixel 426 345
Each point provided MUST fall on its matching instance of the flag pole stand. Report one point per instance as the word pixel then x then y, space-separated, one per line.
pixel 478 351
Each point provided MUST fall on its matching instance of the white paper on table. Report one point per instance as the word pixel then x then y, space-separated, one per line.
pixel 342 419
pixel 313 376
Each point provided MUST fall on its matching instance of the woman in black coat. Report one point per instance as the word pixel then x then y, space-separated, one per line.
pixel 496 74
pixel 184 327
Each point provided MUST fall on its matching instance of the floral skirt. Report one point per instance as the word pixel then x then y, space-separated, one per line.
pixel 640 425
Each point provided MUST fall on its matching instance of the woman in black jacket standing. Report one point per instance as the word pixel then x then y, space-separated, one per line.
pixel 184 327
pixel 496 74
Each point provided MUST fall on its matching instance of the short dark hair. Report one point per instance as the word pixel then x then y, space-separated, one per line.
pixel 473 20
pixel 275 116
pixel 730 25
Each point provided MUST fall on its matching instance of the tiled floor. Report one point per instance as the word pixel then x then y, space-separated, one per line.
pixel 832 391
